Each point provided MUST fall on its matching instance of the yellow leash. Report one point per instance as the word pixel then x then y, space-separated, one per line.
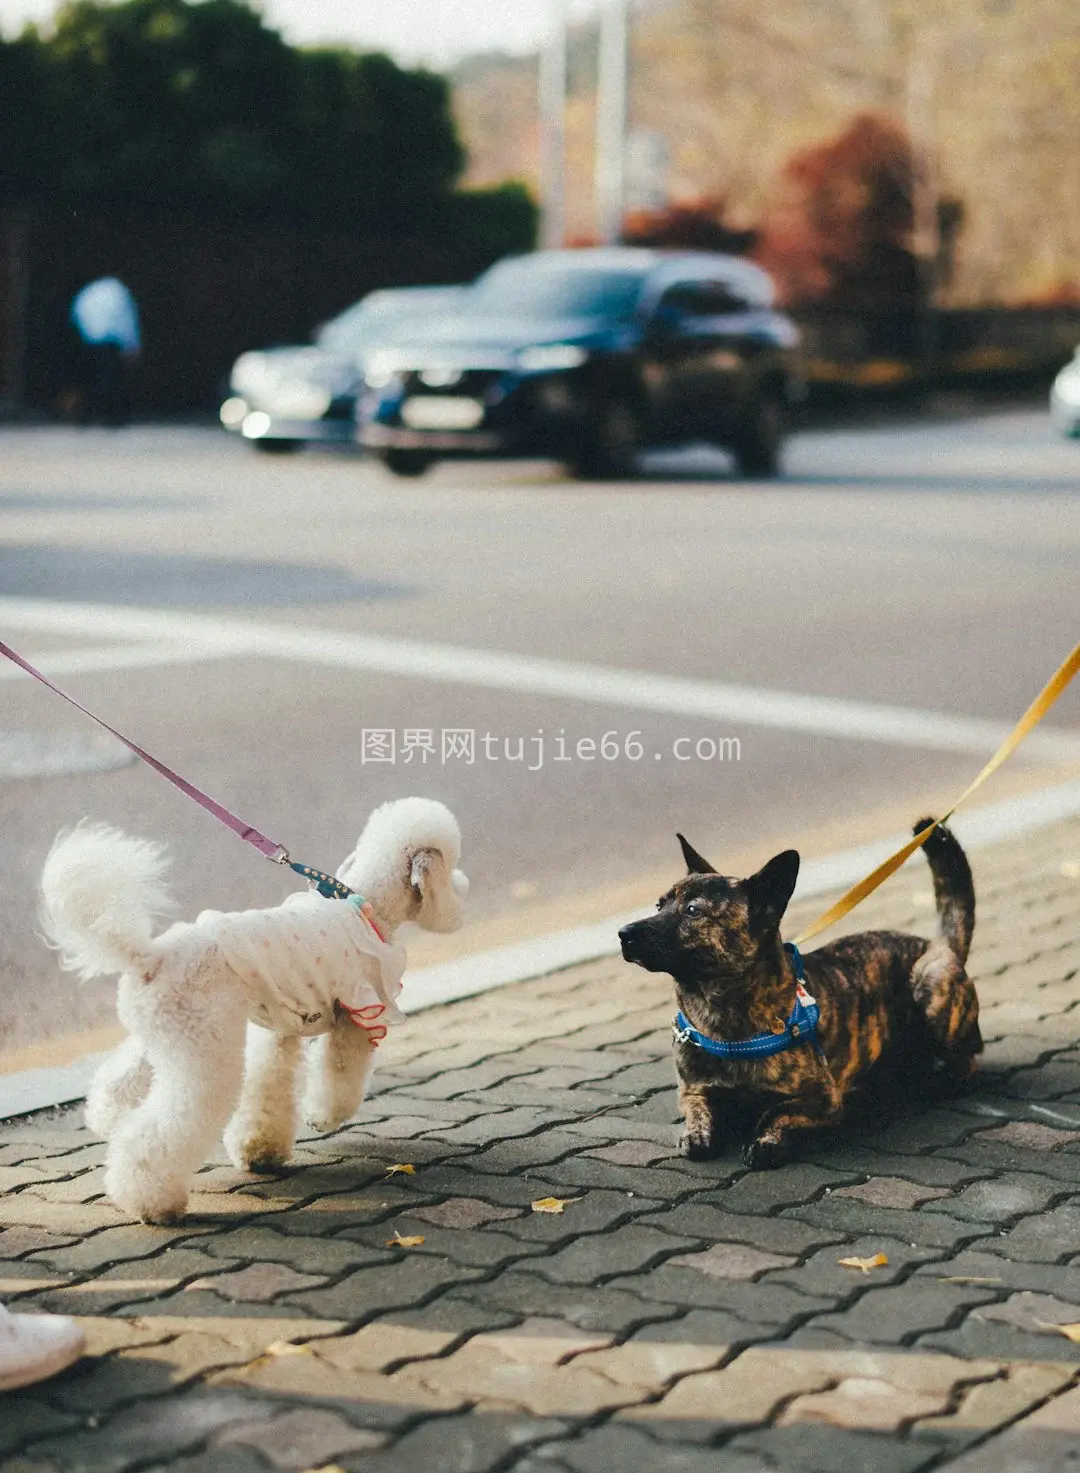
pixel 1030 719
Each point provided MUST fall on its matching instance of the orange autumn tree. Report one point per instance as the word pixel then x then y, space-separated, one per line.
pixel 841 229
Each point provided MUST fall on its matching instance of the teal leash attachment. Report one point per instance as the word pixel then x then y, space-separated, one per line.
pixel 328 886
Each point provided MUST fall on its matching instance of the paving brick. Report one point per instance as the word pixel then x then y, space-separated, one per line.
pixel 520 1292
pixel 628 1448
pixel 375 1290
pixel 464 1212
pixel 894 1313
pixel 548 1147
pixel 1046 1440
pixel 845 1215
pixel 524 1368
pixel 327 1256
pixel 763 1192
pixel 127 1283
pixel 730 1261
pixel 1049 1237
pixel 259 1283
pixel 593 1259
pixel 997 1158
pixel 633 1153
pixel 917 1133
pixel 117 1245
pixel 772 1234
pixel 988 1405
pixel 810 1447
pixel 586 1170
pixel 1007 1273
pixel 300 1438
pixel 16 1241
pixel 482 1248
pixel 593 1212
pixel 1001 1199
pixel 193 1349
pixel 27 1417
pixel 823 1275
pixel 762 1303
pixel 1028 1135
pixel 466 1444
pixel 947 1171
pixel 892 1191
pixel 157 1429
pixel 744 1393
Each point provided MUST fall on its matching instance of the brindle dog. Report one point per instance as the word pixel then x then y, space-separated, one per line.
pixel 889 1002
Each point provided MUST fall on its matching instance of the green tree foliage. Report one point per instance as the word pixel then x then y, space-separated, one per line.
pixel 168 104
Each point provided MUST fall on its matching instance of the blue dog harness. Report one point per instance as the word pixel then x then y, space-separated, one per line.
pixel 801 1026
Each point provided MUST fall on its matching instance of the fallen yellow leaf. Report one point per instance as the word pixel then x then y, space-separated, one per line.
pixel 401 1169
pixel 864 1265
pixel 397 1241
pixel 1071 1332
pixel 272 1352
pixel 553 1204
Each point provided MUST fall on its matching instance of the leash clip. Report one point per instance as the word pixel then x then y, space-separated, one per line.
pixel 281 857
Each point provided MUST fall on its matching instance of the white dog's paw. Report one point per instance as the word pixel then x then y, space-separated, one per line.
pixel 323 1121
pixel 158 1202
pixel 257 1152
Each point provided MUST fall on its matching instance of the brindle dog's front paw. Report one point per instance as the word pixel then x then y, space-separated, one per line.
pixel 765 1153
pixel 696 1147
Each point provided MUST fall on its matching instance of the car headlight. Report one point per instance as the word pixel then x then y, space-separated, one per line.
pixel 1067 387
pixel 297 401
pixel 381 369
pixel 551 357
pixel 249 376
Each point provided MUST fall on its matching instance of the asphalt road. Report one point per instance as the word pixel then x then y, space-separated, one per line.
pixel 860 629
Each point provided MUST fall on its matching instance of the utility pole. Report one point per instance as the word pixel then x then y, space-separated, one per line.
pixel 552 107
pixel 926 242
pixel 611 110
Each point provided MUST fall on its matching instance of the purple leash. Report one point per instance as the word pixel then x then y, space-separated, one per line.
pixel 326 884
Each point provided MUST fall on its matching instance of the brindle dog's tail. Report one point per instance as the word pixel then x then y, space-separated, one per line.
pixel 954 890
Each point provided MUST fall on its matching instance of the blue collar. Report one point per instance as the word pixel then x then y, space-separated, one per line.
pixel 801 1026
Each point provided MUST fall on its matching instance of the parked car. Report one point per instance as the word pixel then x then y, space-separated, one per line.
pixel 1065 398
pixel 588 356
pixel 282 398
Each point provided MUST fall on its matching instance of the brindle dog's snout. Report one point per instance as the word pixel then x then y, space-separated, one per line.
pixel 630 939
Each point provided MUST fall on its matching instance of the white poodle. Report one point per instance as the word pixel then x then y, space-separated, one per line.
pixel 325 970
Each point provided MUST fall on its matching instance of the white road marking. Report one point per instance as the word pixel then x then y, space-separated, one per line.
pixel 203 637
pixel 100 657
pixel 429 987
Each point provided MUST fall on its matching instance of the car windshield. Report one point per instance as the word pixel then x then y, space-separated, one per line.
pixel 368 320
pixel 522 290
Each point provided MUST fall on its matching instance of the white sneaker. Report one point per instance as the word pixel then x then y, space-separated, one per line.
pixel 36 1346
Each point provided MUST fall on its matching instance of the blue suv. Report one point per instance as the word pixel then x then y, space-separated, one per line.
pixel 587 357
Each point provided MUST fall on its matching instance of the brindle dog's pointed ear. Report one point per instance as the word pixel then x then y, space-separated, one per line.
pixel 695 865
pixel 770 889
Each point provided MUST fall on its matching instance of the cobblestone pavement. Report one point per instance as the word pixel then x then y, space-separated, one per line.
pixel 675 1315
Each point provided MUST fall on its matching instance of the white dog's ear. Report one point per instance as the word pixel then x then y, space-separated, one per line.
pixel 423 862
pixel 439 890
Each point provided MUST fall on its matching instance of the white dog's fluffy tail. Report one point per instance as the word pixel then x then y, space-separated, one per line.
pixel 101 894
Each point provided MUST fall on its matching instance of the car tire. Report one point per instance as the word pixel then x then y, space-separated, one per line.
pixel 611 451
pixel 406 463
pixel 760 441
pixel 277 447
